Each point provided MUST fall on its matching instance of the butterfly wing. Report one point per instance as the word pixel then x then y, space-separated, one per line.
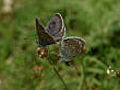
pixel 44 38
pixel 71 47
pixel 56 27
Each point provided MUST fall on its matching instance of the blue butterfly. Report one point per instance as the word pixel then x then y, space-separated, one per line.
pixel 71 47
pixel 53 33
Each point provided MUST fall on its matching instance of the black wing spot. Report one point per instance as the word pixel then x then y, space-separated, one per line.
pixel 53 24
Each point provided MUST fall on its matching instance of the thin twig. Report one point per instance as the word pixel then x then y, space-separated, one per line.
pixel 54 68
pixel 57 73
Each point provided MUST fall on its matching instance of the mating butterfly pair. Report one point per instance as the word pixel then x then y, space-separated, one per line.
pixel 54 34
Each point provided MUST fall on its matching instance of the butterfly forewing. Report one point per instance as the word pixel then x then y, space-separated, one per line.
pixel 71 47
pixel 44 38
pixel 56 27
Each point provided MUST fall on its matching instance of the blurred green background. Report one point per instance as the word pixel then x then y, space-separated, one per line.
pixel 97 21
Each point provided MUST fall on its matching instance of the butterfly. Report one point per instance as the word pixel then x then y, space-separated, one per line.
pixel 71 47
pixel 53 32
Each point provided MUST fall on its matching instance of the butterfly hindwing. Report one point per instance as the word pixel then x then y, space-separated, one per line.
pixel 56 27
pixel 71 47
pixel 44 38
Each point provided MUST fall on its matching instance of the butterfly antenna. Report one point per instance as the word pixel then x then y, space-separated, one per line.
pixel 57 73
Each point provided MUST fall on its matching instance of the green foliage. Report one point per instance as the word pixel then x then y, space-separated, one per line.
pixel 98 22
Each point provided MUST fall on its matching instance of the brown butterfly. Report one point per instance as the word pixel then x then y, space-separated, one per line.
pixel 53 33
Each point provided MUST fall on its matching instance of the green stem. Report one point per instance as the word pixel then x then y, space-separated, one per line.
pixel 57 73
pixel 66 88
pixel 82 75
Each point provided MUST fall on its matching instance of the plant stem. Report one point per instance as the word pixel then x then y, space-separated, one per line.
pixel 66 88
pixel 57 73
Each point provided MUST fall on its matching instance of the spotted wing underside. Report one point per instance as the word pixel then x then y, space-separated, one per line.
pixel 71 47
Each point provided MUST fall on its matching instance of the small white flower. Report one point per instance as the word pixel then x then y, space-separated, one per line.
pixel 108 71
pixel 112 70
